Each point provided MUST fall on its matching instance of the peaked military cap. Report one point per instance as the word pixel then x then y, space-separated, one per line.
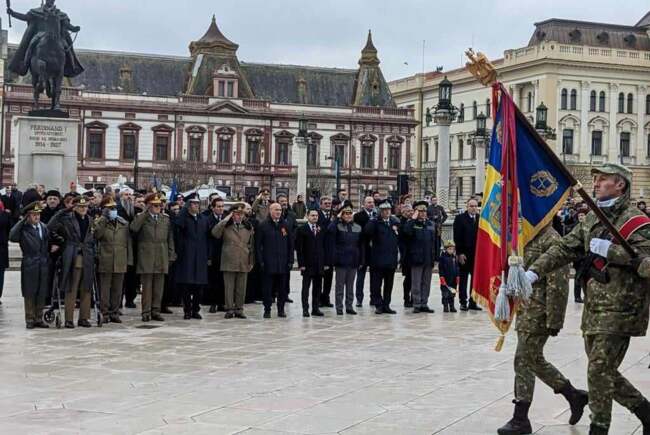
pixel 613 169
pixel 108 202
pixel 80 201
pixel 421 206
pixel 34 207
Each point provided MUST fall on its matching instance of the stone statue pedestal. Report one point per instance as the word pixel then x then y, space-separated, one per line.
pixel 46 152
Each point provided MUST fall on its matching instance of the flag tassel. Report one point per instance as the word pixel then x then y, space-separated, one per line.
pixel 502 304
pixel 518 287
pixel 500 341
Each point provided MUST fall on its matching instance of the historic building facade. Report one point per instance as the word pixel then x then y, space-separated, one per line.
pixel 594 78
pixel 211 118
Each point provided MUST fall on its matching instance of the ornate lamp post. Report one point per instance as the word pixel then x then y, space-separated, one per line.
pixel 480 139
pixel 444 115
pixel 541 123
pixel 301 144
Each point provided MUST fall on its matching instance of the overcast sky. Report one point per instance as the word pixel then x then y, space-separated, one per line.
pixel 328 32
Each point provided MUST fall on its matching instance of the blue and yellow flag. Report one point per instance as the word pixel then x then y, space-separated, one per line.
pixel 521 172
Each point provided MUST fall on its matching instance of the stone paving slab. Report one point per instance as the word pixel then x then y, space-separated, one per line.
pixel 351 375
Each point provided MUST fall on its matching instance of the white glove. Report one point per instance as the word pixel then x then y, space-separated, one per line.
pixel 600 246
pixel 531 277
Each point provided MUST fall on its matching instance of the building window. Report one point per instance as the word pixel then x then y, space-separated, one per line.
pixel 222 88
pixel 474 110
pixel 425 153
pixel 574 99
pixel 621 102
pixel 162 146
pixel 195 148
pixel 253 152
pixel 459 189
pixel 567 141
pixel 367 155
pixel 472 150
pixel 592 101
pixel 224 149
pixel 231 89
pixel 282 153
pixel 597 143
pixel 625 144
pixel 530 102
pixel 647 151
pixel 394 152
pixel 601 101
pixel 312 153
pixel 472 185
pixel 488 108
pixel 461 150
pixel 128 144
pixel 630 103
pixel 96 144
pixel 461 113
pixel 563 99
pixel 339 153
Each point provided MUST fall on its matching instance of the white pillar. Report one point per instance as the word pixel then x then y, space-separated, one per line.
pixel 479 144
pixel 443 118
pixel 612 142
pixel 640 136
pixel 301 186
pixel 584 149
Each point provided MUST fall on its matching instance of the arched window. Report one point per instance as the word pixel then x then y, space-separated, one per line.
pixel 563 99
pixel 630 103
pixel 574 99
pixel 474 110
pixel 647 104
pixel 601 101
pixel 621 102
pixel 488 108
pixel 530 102
pixel 592 101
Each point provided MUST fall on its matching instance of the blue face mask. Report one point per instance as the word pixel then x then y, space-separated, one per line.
pixel 112 214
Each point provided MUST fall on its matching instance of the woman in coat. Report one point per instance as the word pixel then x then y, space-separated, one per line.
pixel 33 238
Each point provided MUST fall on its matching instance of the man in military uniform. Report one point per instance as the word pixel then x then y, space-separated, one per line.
pixel 115 253
pixel 33 237
pixel 420 234
pixel 155 241
pixel 538 320
pixel 615 308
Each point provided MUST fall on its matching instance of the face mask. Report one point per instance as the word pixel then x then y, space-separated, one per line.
pixel 112 214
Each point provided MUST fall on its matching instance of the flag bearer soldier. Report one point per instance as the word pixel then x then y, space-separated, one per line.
pixel 155 242
pixel 542 317
pixel 615 307
pixel 238 246
pixel 310 249
pixel 421 241
pixel 115 254
pixel 76 231
pixel 33 237
pixel 383 234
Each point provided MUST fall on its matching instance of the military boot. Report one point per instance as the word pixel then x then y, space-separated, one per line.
pixel 519 424
pixel 597 430
pixel 577 399
pixel 643 413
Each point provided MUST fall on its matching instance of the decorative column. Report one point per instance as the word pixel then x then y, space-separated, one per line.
pixel 640 113
pixel 585 149
pixel 479 143
pixel 443 118
pixel 612 142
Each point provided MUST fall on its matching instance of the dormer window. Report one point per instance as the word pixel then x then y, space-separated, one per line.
pixel 575 35
pixel 226 82
pixel 630 40
pixel 540 34
pixel 603 38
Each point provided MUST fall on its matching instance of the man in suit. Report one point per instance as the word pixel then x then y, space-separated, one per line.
pixel 274 252
pixel 310 249
pixel 361 218
pixel 215 295
pixel 292 222
pixel 325 217
pixel 465 233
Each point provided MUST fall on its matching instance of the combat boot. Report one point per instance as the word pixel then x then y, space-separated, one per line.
pixel 643 413
pixel 577 399
pixel 519 424
pixel 597 430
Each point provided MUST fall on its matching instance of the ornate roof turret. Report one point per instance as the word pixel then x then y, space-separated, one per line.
pixel 213 41
pixel 369 53
pixel 370 87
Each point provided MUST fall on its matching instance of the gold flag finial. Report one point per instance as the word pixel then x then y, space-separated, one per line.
pixel 481 67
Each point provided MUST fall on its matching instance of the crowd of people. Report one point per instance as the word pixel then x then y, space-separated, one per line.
pixel 120 243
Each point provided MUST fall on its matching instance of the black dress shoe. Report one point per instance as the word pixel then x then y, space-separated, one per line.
pixel 157 317
pixel 379 310
pixel 29 325
pixel 229 316
pixel 463 308
pixel 166 311
pixel 84 323
pixel 427 310
pixel 474 307
pixel 241 316
pixel 116 319
pixel 196 316
pixel 317 313
pixel 146 318
pixel 327 305
pixel 579 301
pixel 187 316
pixel 408 304
pixel 213 309
pixel 69 324
pixel 130 305
pixel 339 312
pixel 221 308
pixel 389 310
pixel 452 309
pixel 305 313
pixel 282 314
pixel 350 311
pixel 267 314
pixel 359 305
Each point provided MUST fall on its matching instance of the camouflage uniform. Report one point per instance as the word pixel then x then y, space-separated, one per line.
pixel 541 318
pixel 614 311
pixel 643 268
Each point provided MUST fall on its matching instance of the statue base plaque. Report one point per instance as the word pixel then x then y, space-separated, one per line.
pixel 46 152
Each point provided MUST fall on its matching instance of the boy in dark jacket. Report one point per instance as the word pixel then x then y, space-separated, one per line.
pixel 449 276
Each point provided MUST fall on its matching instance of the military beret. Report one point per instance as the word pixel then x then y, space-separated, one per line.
pixel 152 198
pixel 80 201
pixel 108 202
pixel 53 193
pixel 421 206
pixel 34 207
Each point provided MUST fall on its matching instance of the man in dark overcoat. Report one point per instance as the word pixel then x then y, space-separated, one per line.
pixel 310 249
pixel 465 234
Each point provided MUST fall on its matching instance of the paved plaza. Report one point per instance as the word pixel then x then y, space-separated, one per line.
pixel 367 374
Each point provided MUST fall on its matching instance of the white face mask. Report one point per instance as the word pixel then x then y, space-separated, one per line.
pixel 112 214
pixel 606 203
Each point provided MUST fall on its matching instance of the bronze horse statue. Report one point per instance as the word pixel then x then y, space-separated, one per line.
pixel 47 63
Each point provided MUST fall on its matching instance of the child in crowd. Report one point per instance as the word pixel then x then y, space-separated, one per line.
pixel 449 276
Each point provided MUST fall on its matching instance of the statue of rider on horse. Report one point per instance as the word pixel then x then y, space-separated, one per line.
pixel 46 51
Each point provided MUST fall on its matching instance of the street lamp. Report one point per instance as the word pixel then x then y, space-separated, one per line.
pixel 481 121
pixel 480 141
pixel 444 115
pixel 302 126
pixel 444 94
pixel 541 118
